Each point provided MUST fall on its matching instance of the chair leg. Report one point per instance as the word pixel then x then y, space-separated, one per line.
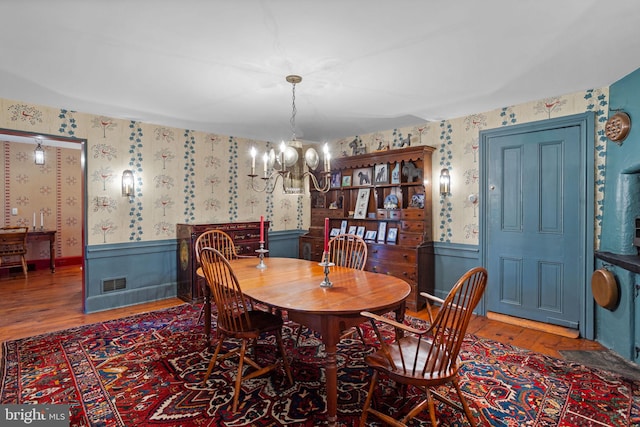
pixel 24 265
pixel 465 406
pixel 236 396
pixel 285 360
pixel 298 335
pixel 367 402
pixel 212 362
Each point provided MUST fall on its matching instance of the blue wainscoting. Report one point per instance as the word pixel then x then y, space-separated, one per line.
pixel 284 244
pixel 149 269
pixel 452 260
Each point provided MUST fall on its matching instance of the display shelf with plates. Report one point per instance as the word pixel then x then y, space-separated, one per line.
pixel 377 201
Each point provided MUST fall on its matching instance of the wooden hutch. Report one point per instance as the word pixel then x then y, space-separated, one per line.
pixel 385 197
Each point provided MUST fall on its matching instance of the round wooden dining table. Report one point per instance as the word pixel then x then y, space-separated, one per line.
pixel 294 285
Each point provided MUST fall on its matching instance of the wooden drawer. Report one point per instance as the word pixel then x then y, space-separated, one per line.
pixel 392 254
pixel 416 214
pixel 409 239
pixel 408 272
pixel 412 226
pixel 389 214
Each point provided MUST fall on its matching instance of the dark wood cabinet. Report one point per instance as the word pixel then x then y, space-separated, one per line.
pixel 245 235
pixel 397 188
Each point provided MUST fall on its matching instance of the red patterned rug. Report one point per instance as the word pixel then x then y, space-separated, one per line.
pixel 147 370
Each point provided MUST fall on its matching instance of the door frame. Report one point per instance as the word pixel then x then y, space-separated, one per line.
pixel 586 123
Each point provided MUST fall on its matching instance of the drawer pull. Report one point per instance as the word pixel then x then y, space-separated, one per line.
pixel 375 251
pixel 375 268
pixel 405 256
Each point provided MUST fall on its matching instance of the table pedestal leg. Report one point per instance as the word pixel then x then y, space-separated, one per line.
pixel 331 368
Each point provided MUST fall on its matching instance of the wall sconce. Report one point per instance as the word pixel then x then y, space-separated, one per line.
pixel 39 154
pixel 445 182
pixel 128 187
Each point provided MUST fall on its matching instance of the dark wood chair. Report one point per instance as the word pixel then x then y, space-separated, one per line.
pixel 346 250
pixel 221 241
pixel 237 320
pixel 13 244
pixel 426 358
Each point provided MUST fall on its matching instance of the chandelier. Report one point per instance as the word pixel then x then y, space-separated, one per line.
pixel 288 165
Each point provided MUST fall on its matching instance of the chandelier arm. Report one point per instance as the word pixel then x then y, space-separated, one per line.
pixel 316 184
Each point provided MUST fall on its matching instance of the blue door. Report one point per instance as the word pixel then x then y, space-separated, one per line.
pixel 535 225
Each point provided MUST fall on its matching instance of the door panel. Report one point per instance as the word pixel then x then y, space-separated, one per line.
pixel 534 225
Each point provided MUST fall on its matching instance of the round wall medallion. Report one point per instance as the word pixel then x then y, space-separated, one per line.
pixel 605 289
pixel 617 127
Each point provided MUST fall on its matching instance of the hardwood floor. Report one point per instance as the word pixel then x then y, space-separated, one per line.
pixel 45 302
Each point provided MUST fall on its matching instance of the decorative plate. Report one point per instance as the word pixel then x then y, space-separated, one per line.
pixel 391 201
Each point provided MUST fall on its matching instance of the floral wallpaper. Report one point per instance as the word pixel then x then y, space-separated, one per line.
pixel 45 196
pixel 181 176
pixel 457 147
pixel 188 176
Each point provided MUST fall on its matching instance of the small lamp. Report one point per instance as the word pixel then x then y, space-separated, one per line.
pixel 39 154
pixel 445 182
pixel 127 183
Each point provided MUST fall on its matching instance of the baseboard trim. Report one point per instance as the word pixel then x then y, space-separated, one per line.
pixel 532 324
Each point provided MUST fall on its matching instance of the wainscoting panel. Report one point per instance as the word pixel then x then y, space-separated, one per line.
pixel 147 269
pixel 452 260
pixel 284 244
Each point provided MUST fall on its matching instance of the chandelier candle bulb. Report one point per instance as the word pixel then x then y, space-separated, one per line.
pixel 265 157
pixel 327 158
pixel 253 160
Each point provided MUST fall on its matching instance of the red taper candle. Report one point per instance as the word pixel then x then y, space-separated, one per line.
pixel 326 234
pixel 261 228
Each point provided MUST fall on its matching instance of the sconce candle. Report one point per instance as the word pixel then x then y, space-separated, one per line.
pixel 127 183
pixel 41 219
pixel 445 182
pixel 34 220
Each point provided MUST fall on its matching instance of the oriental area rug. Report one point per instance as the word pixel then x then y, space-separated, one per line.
pixel 147 370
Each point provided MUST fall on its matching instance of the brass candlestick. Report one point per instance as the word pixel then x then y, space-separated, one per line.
pixel 326 283
pixel 261 265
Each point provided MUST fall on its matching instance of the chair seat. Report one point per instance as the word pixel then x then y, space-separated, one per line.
pixel 260 321
pixel 432 357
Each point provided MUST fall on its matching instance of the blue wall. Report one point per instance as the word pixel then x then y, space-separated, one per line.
pixel 618 328
pixel 149 269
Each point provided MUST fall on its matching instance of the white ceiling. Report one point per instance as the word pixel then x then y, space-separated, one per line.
pixel 367 65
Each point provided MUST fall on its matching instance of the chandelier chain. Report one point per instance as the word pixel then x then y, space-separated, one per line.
pixel 293 112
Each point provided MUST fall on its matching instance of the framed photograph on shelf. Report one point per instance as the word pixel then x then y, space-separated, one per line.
pixel 343 226
pixel 362 203
pixel 392 235
pixel 381 174
pixel 352 229
pixel 334 232
pixel 360 232
pixel 335 180
pixel 362 176
pixel 395 174
pixel 346 181
pixel 382 231
pixel 370 235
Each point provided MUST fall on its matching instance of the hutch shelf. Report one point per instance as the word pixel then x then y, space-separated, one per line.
pixel 386 198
